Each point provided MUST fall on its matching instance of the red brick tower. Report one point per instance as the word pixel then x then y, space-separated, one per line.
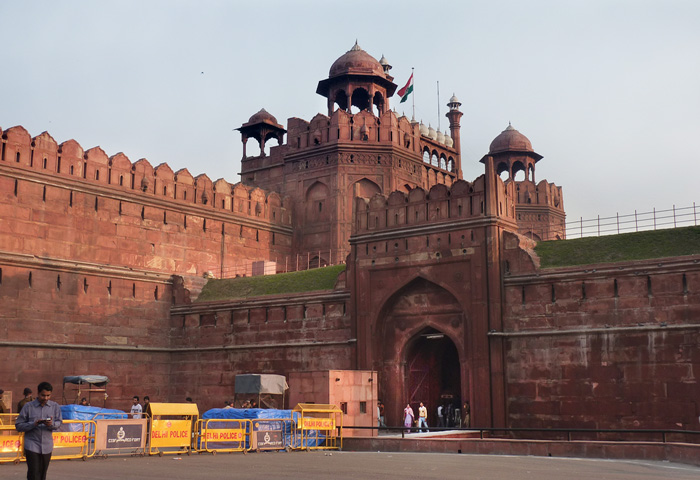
pixel 356 79
pixel 361 148
pixel 539 206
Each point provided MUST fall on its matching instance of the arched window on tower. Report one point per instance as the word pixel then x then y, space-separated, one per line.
pixel 426 156
pixel 443 162
pixel 434 159
pixel 360 100
pixel 519 172
pixel 341 100
pixel 502 171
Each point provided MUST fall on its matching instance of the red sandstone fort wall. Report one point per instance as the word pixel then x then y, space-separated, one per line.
pixel 88 247
pixel 58 202
pixel 59 319
pixel 604 346
pixel 213 342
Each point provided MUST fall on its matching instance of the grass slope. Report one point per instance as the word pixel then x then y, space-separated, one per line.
pixel 294 282
pixel 620 248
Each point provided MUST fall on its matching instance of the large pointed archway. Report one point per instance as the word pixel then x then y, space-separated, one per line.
pixel 432 373
pixel 419 349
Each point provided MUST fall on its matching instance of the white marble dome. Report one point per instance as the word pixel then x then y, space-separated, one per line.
pixel 423 129
pixel 431 132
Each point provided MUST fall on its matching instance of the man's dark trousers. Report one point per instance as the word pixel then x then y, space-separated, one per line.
pixel 37 465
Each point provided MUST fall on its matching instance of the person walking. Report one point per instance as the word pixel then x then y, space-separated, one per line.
pixel 38 420
pixel 441 418
pixel 408 417
pixel 422 418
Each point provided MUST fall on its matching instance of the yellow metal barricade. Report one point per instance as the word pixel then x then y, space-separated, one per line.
pixel 272 434
pixel 8 419
pixel 10 440
pixel 318 426
pixel 172 427
pixel 223 435
pixel 75 441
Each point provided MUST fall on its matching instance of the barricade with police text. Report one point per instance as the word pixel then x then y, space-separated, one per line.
pixel 10 439
pixel 73 440
pixel 223 435
pixel 318 426
pixel 172 427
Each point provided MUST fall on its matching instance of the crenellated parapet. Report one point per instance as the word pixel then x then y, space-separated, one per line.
pixel 42 154
pixel 361 128
pixel 542 193
pixel 367 128
pixel 464 200
pixel 539 209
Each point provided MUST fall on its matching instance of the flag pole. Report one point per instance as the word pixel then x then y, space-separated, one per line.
pixel 438 93
pixel 413 98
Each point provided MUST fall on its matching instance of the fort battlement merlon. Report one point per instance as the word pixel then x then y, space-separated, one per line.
pixel 464 200
pixel 42 154
pixel 396 136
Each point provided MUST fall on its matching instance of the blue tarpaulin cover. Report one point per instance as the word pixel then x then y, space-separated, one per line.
pixel 81 412
pixel 253 413
pixel 246 413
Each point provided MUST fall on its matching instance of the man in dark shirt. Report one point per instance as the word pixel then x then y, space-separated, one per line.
pixel 27 398
pixel 38 420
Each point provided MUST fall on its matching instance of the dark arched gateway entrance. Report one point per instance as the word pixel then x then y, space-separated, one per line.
pixel 416 350
pixel 432 373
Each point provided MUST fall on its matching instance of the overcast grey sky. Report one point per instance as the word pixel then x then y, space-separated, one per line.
pixel 608 91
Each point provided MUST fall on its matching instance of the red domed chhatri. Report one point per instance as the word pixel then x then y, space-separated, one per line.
pixel 510 140
pixel 263 116
pixel 356 61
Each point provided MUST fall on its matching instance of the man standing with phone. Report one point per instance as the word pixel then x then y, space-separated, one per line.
pixel 38 420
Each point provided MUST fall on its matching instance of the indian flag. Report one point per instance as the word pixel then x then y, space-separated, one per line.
pixel 406 90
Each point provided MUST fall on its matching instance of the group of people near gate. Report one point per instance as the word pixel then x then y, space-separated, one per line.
pixel 409 418
pixel 448 415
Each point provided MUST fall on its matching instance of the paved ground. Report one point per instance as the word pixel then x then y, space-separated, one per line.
pixel 347 465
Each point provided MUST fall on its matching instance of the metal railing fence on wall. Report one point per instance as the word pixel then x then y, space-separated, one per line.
pixel 282 264
pixel 674 217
